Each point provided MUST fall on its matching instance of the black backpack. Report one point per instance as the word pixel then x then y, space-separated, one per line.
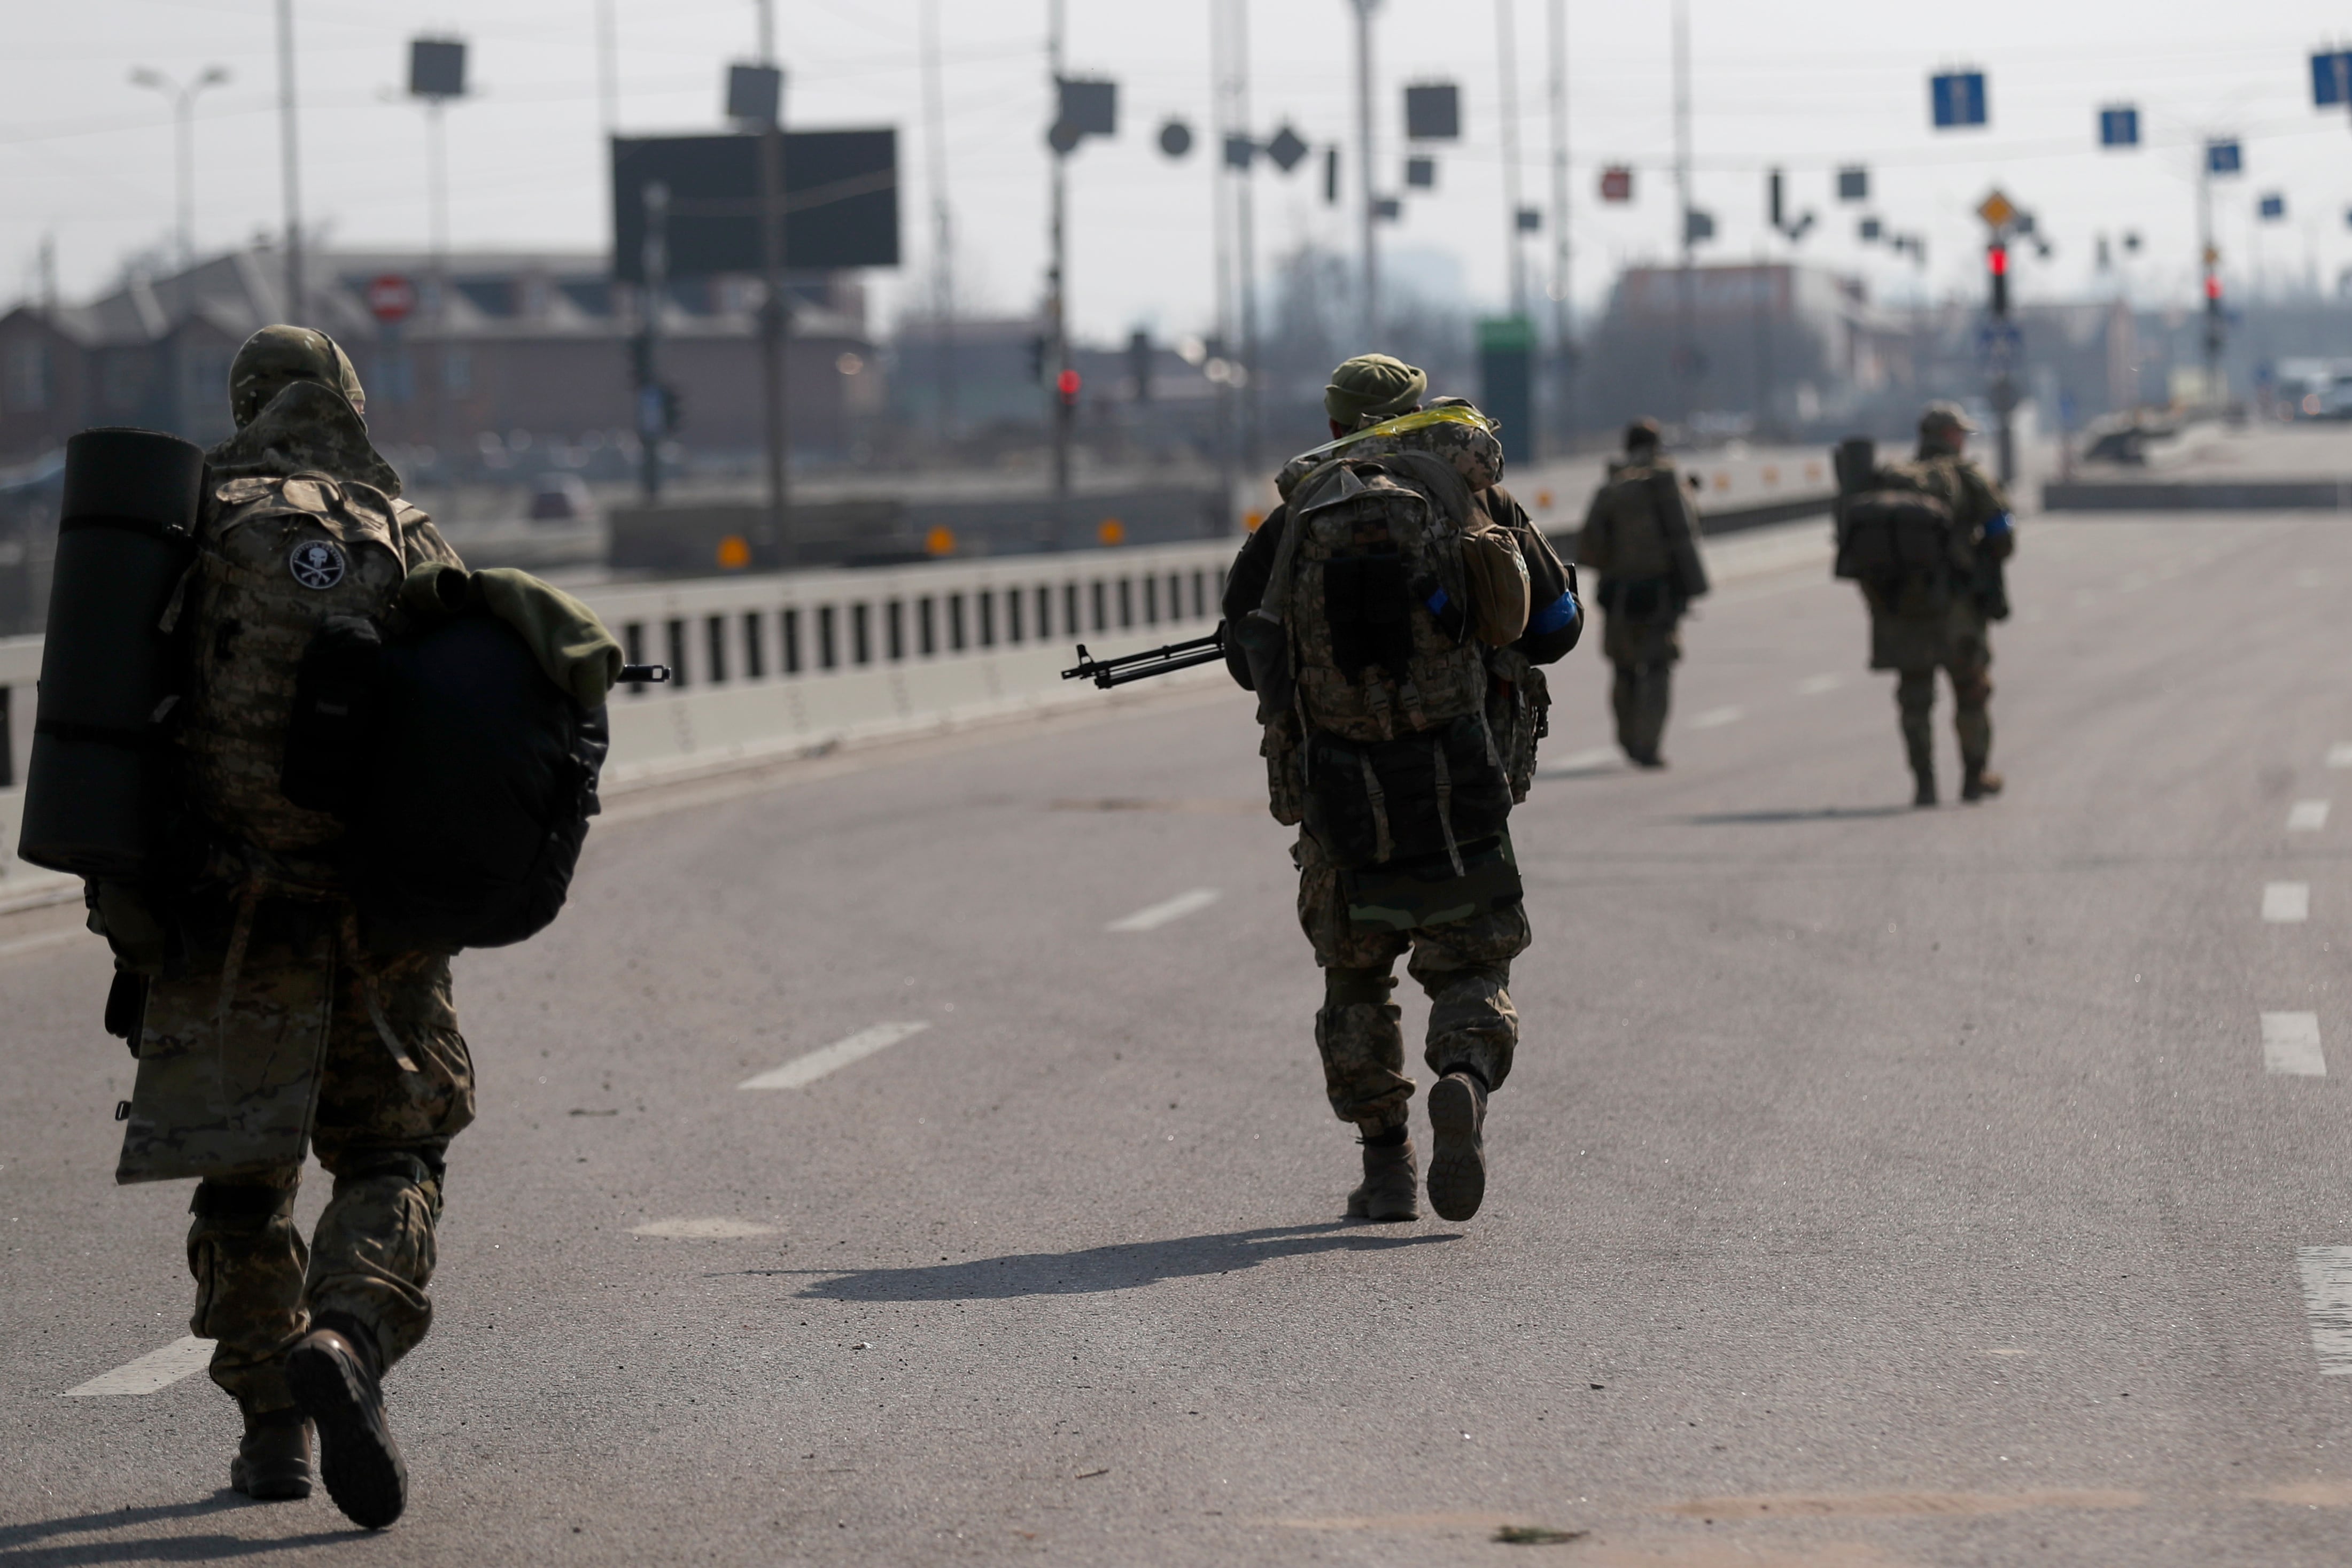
pixel 466 776
pixel 1899 527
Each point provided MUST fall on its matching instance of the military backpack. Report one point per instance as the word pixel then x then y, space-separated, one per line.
pixel 1899 530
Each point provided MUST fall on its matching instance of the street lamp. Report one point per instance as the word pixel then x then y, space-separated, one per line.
pixel 184 114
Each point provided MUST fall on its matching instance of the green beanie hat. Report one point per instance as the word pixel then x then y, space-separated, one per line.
pixel 1374 387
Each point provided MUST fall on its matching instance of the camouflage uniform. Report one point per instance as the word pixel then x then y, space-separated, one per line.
pixel 1460 955
pixel 1927 627
pixel 1623 540
pixel 269 1023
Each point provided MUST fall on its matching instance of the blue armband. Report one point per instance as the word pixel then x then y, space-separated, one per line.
pixel 1437 601
pixel 1561 612
pixel 1999 527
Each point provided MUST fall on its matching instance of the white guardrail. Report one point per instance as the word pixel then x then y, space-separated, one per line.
pixel 775 666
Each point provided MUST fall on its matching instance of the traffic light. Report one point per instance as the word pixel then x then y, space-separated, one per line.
pixel 1037 358
pixel 1066 386
pixel 1997 269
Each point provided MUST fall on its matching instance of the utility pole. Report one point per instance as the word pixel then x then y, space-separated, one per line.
pixel 1224 206
pixel 1246 236
pixel 1507 50
pixel 1685 299
pixel 943 298
pixel 608 69
pixel 183 124
pixel 653 397
pixel 776 306
pixel 1057 328
pixel 1371 328
pixel 1563 309
pixel 2210 268
pixel 290 172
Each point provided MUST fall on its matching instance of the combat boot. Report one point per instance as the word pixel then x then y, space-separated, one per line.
pixel 1457 1159
pixel 333 1372
pixel 1979 782
pixel 1392 1189
pixel 1923 789
pixel 273 1461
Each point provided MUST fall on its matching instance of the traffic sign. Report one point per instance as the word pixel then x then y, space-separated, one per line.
pixel 391 298
pixel 1997 210
pixel 2119 126
pixel 1617 183
pixel 1956 98
pixel 2224 157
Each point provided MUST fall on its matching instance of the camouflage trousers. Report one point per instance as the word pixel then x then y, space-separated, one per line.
pixel 382 1130
pixel 1956 643
pixel 1464 965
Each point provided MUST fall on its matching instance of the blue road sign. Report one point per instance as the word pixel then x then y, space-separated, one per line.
pixel 2224 158
pixel 1958 97
pixel 2119 127
pixel 2273 207
pixel 2331 77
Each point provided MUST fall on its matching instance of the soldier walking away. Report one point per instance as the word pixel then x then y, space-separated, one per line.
pixel 266 1013
pixel 1392 615
pixel 1640 536
pixel 1928 542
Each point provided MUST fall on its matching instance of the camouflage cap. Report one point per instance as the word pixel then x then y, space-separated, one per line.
pixel 1373 387
pixel 276 357
pixel 1643 432
pixel 1942 419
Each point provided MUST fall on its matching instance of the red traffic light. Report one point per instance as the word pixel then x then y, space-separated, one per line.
pixel 1997 260
pixel 1066 384
pixel 2212 286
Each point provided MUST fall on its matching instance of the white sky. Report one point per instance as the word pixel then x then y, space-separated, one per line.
pixel 86 157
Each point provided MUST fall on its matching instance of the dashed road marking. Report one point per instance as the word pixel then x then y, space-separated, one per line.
pixel 1814 685
pixel 1166 909
pixel 35 943
pixel 2306 817
pixel 701 1229
pixel 2285 903
pixel 2327 1304
pixel 1576 761
pixel 156 1369
pixel 1715 718
pixel 2339 755
pixel 840 1054
pixel 2290 1045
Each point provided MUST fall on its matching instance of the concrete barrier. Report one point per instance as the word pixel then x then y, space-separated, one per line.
pixel 2198 495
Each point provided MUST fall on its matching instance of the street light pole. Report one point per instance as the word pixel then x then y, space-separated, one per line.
pixel 291 173
pixel 1507 50
pixel 1364 9
pixel 1245 237
pixel 1685 304
pixel 935 146
pixel 1057 326
pixel 776 307
pixel 1562 308
pixel 183 124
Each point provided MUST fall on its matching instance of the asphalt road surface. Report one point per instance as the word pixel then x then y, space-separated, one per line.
pixel 1875 1187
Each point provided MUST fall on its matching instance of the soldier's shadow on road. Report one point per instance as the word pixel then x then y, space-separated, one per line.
pixel 1797 813
pixel 1123 1267
pixel 37 1542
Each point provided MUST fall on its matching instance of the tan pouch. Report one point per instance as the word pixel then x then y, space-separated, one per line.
pixel 1496 579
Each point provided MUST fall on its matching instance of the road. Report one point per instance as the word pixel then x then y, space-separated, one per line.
pixel 1875 1187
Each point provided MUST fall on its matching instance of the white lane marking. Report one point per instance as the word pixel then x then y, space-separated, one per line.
pixel 840 1054
pixel 2339 755
pixel 1166 909
pixel 701 1229
pixel 1814 685
pixel 2306 817
pixel 2284 903
pixel 1575 762
pixel 2327 1301
pixel 1715 718
pixel 35 943
pixel 2290 1045
pixel 156 1369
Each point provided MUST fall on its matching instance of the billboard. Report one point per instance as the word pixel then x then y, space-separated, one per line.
pixel 840 201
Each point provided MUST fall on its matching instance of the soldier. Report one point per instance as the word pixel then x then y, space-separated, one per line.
pixel 268 1019
pixel 1642 536
pixel 1400 603
pixel 1936 617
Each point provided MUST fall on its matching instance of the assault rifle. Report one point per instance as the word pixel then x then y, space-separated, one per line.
pixel 1109 672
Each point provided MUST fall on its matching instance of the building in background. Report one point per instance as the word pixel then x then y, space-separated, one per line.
pixel 520 352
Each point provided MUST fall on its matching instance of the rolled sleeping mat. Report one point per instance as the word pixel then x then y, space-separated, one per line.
pixel 100 767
